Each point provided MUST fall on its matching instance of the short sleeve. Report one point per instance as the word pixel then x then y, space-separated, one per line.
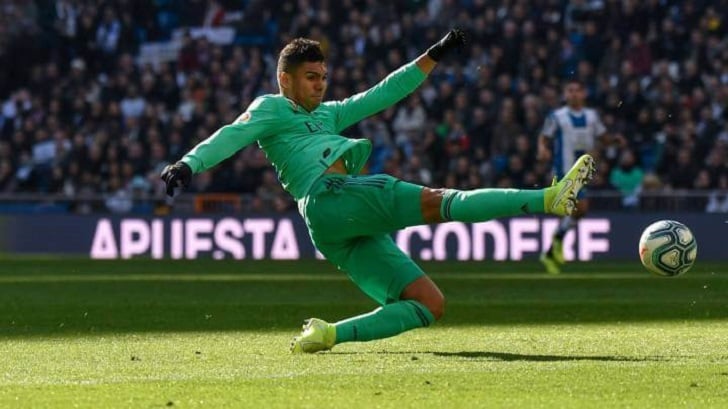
pixel 549 126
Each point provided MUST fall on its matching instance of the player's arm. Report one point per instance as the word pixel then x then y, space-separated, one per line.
pixel 396 85
pixel 543 152
pixel 600 131
pixel 258 121
pixel 545 139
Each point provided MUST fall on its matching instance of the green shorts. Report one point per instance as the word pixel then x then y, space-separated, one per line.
pixel 350 219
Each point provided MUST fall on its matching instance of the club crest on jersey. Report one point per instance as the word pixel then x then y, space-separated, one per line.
pixel 245 117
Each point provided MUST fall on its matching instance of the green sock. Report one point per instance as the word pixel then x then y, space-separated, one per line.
pixel 485 204
pixel 384 322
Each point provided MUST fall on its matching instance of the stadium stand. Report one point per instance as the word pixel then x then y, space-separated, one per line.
pixel 98 96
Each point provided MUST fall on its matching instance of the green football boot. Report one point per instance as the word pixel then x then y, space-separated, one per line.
pixel 560 198
pixel 552 267
pixel 317 335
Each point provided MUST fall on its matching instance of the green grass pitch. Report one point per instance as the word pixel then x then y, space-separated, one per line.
pixel 206 334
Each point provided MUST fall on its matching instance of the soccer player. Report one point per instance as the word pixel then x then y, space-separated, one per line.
pixel 568 133
pixel 350 217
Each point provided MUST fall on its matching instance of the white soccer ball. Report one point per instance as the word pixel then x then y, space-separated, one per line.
pixel 668 248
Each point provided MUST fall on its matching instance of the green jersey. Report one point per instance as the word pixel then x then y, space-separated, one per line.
pixel 301 145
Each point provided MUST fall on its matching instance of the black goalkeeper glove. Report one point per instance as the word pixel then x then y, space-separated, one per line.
pixel 453 40
pixel 177 175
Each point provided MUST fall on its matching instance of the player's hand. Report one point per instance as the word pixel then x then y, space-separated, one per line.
pixel 543 155
pixel 454 40
pixel 177 175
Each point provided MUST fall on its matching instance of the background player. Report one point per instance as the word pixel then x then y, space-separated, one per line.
pixel 568 133
pixel 350 217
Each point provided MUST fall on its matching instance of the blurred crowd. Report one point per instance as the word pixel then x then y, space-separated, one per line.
pixel 81 116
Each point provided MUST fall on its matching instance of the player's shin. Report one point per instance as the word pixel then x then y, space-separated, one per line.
pixel 384 322
pixel 566 224
pixel 485 204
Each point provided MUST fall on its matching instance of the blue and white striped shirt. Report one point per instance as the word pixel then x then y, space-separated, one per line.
pixel 573 133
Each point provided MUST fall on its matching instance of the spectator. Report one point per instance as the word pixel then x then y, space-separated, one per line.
pixel 639 54
pixel 87 109
pixel 108 33
pixel 133 104
pixel 409 123
pixel 683 172
pixel 627 179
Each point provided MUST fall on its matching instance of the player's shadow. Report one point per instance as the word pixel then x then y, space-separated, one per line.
pixel 511 357
pixel 508 356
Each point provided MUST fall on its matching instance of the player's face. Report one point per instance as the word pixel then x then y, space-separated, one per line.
pixel 306 85
pixel 574 95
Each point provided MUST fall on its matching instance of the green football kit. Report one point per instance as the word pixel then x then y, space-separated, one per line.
pixel 350 217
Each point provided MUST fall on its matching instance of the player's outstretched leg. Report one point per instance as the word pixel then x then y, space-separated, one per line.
pixel 486 204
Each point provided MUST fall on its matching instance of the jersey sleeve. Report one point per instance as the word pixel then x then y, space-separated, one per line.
pixel 258 121
pixel 549 126
pixel 386 93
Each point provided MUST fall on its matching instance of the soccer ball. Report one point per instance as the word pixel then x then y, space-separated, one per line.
pixel 668 248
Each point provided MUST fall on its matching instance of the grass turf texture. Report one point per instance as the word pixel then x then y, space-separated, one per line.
pixel 146 334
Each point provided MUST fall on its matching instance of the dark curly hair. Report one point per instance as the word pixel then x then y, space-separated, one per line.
pixel 297 52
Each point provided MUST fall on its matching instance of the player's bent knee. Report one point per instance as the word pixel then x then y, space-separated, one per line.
pixel 426 292
pixel 436 305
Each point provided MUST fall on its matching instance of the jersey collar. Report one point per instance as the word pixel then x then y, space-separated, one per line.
pixel 296 107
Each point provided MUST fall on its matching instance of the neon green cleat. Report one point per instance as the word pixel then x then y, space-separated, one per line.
pixel 557 251
pixel 560 198
pixel 317 335
pixel 552 267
